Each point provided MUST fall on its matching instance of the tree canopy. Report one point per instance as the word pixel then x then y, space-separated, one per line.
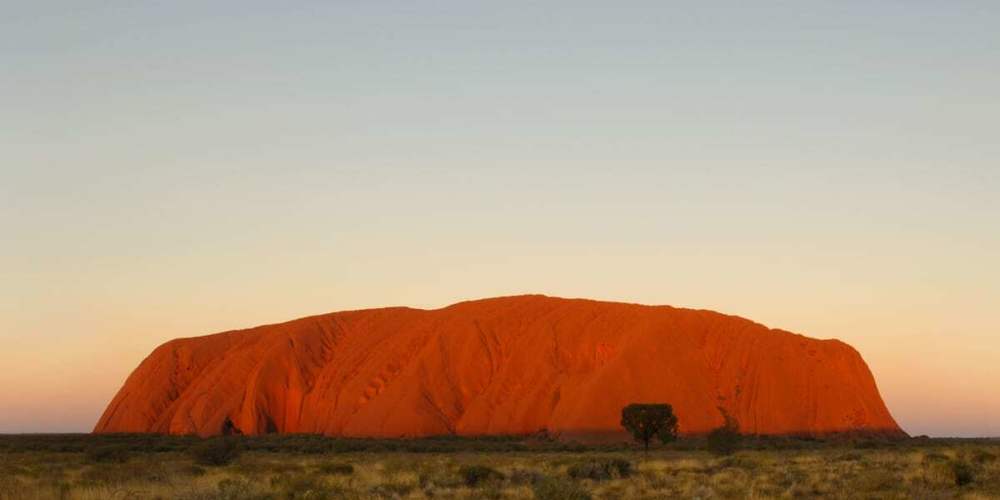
pixel 646 421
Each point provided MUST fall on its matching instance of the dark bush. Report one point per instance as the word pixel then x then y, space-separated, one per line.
pixel 474 475
pixel 963 473
pixel 216 451
pixel 525 476
pixel 601 470
pixel 111 453
pixel 726 439
pixel 622 467
pixel 552 488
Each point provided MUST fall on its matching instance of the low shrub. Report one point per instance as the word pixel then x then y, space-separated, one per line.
pixel 525 476
pixel 216 451
pixel 390 490
pixel 234 489
pixel 850 456
pixel 946 474
pixel 551 488
pixel 871 480
pixel 474 475
pixel 983 457
pixel 741 461
pixel 116 474
pixel 310 486
pixel 601 470
pixel 724 440
pixel 963 473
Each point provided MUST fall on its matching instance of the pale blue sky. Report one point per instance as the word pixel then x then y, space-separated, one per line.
pixel 177 168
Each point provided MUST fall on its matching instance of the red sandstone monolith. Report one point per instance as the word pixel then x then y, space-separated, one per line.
pixel 512 365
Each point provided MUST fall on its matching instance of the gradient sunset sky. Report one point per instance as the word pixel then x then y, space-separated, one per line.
pixel 174 169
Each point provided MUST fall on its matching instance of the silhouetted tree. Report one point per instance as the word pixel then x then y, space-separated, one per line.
pixel 646 421
pixel 725 439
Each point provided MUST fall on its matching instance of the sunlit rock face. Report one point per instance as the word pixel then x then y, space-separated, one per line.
pixel 511 365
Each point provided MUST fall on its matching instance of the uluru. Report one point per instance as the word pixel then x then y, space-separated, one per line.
pixel 501 366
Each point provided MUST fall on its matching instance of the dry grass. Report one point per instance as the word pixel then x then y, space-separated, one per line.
pixel 953 470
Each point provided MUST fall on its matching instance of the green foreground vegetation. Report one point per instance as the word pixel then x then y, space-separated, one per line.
pixel 287 467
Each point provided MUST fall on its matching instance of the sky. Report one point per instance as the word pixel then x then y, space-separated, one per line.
pixel 171 169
